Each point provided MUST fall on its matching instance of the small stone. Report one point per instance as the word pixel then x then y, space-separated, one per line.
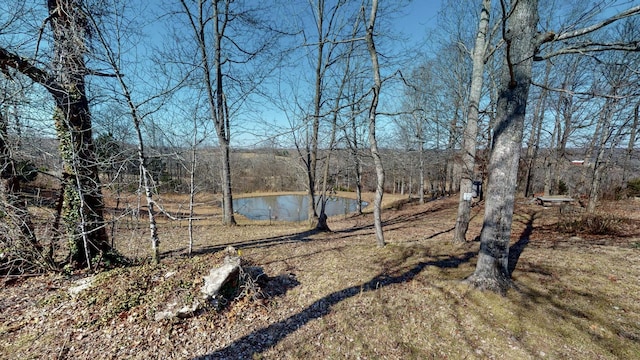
pixel 81 285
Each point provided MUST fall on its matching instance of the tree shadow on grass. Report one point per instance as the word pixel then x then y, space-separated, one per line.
pixel 397 221
pixel 261 243
pixel 518 247
pixel 265 338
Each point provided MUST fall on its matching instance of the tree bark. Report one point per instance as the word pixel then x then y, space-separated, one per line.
pixel 469 140
pixel 492 271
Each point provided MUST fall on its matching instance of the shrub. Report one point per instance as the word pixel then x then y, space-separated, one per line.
pixel 592 224
pixel 563 189
pixel 633 187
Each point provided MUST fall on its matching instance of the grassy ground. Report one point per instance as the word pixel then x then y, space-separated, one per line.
pixel 336 295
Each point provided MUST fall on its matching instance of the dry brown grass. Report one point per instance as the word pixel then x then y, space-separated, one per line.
pixel 576 296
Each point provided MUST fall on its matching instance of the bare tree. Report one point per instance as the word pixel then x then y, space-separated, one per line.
pixel 373 143
pixel 229 38
pixel 352 134
pixel 522 45
pixel 348 72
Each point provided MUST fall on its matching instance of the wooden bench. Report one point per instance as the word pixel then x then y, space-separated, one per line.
pixel 554 200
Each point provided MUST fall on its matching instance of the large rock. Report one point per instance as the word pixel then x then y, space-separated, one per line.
pixel 218 277
pixel 213 283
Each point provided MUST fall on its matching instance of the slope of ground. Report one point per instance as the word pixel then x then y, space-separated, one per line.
pixel 336 295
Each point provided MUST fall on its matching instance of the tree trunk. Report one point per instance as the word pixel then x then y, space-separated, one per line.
pixel 599 163
pixel 221 115
pixel 353 148
pixel 375 153
pixel 552 157
pixel 492 270
pixel 421 174
pixel 630 146
pixel 217 100
pixel 469 140
pixel 83 206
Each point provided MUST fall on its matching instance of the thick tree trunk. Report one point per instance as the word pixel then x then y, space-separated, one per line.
pixel 82 210
pixel 469 139
pixel 492 271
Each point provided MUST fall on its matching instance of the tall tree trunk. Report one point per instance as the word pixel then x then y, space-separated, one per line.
pixel 83 205
pixel 630 146
pixel 373 143
pixel 421 173
pixel 216 98
pixel 353 149
pixel 192 184
pixel 221 114
pixel 452 166
pixel 322 219
pixel 469 139
pixel 519 33
pixel 145 176
pixel 552 156
pixel 599 163
pixel 315 123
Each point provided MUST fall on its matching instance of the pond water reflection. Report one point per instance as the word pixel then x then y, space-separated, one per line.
pixel 289 207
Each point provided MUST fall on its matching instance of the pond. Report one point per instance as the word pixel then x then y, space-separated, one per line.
pixel 289 207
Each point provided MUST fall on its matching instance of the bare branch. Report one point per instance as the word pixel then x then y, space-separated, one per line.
pixel 585 93
pixel 24 66
pixel 589 47
pixel 558 37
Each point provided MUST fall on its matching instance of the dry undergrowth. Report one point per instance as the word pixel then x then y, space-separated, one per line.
pixel 336 295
